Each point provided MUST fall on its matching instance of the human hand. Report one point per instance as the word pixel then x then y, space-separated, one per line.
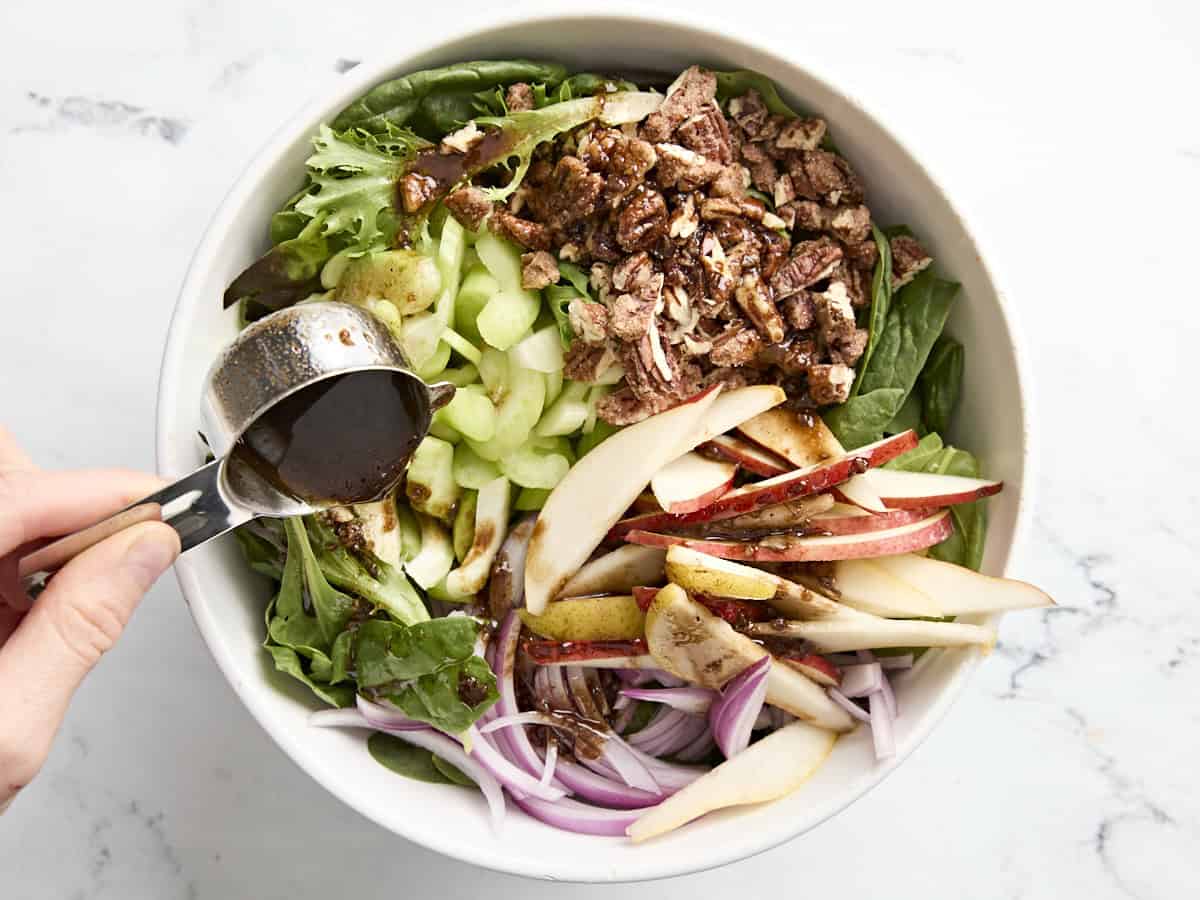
pixel 48 647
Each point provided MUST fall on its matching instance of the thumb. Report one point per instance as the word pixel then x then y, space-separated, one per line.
pixel 76 619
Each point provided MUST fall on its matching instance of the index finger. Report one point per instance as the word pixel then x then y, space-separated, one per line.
pixel 11 454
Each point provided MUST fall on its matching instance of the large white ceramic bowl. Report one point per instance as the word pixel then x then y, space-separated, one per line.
pixel 227 600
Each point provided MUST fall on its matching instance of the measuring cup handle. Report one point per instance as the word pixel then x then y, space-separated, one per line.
pixel 195 506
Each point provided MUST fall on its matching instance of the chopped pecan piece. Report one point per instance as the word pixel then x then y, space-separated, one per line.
pixel 798 310
pixel 416 190
pixel 847 223
pixel 810 262
pixel 783 192
pixel 623 407
pixel 749 112
pixel 829 384
pixel 821 175
pixel 735 346
pixel 600 242
pixel 518 97
pixel 729 208
pixel 850 350
pixel 908 259
pixel 462 140
pixel 684 219
pixel 589 320
pixel 857 283
pixel 763 173
pixel 731 182
pixel 623 160
pixel 470 206
pixel 801 134
pixel 568 195
pixel 587 362
pixel 538 269
pixel 835 315
pixel 754 297
pixel 633 274
pixel 531 235
pixel 708 133
pixel 862 254
pixel 642 221
pixel 684 169
pixel 694 88
pixel 792 357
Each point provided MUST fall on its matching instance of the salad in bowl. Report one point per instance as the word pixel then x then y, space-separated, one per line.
pixel 691 509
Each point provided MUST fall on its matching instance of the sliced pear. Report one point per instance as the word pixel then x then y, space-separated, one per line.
pixel 621 570
pixel 860 631
pixel 615 618
pixel 955 589
pixel 693 644
pixel 766 770
pixel 868 585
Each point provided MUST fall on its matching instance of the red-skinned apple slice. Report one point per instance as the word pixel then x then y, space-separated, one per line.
pixel 606 481
pixel 863 522
pixel 691 482
pixel 617 572
pixel 747 455
pixel 860 631
pixel 858 491
pixel 913 490
pixel 818 668
pixel 954 590
pixel 769 768
pixel 780 489
pixel 786 548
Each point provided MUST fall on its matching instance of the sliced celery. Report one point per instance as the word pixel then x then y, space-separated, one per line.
pixel 593 438
pixel 493 371
pixel 568 413
pixel 461 345
pixel 519 402
pixel 430 484
pixel 511 312
pixel 331 272
pixel 420 339
pixel 531 467
pixel 435 365
pixel 440 428
pixel 554 386
pixel 451 249
pixel 410 532
pixel 430 566
pixel 471 413
pixel 462 376
pixel 542 351
pixel 531 499
pixel 464 524
pixel 478 287
pixel 471 470
pixel 502 258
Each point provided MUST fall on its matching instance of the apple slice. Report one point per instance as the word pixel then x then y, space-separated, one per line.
pixel 844 519
pixel 597 490
pixel 690 642
pixel 803 440
pixel 860 492
pixel 616 618
pixel 691 482
pixel 816 667
pixel 954 589
pixel 788 548
pixel 606 481
pixel 596 654
pixel 749 457
pixel 860 631
pixel 866 585
pixel 617 572
pixel 766 770
pixel 912 490
pixel 780 489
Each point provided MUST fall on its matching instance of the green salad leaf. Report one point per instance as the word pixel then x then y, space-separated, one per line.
pixel 738 82
pixel 434 102
pixel 287 273
pixel 914 322
pixel 908 416
pixel 404 758
pixel 881 302
pixel 559 297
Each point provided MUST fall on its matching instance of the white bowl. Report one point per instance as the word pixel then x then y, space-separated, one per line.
pixel 226 599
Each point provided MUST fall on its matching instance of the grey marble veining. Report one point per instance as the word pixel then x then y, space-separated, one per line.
pixel 1067 768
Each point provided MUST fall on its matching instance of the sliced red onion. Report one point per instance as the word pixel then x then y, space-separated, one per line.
pixel 596 691
pixel 678 738
pixel 667 680
pixel 732 715
pixel 881 726
pixel 386 718
pixel 638 677
pixel 861 680
pixel 624 717
pixel 506 585
pixel 555 687
pixel 699 748
pixel 512 776
pixel 664 722
pixel 889 697
pixel 897 662
pixel 848 705
pixel 694 700
pixel 764 720
pixel 631 770
pixel 450 750
pixel 551 760
pixel 621 702
pixel 598 788
pixel 338 718
pixel 521 718
pixel 581 818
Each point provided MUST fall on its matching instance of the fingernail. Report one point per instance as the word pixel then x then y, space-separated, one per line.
pixel 149 557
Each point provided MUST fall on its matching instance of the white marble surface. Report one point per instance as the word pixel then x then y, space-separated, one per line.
pixel 1068 136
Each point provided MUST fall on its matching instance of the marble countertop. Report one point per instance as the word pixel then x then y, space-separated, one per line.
pixel 1070 140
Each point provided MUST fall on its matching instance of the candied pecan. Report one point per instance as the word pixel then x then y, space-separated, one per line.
pixel 601 242
pixel 857 283
pixel 908 259
pixel 623 407
pixel 862 254
pixel 787 212
pixel 624 161
pixel 810 262
pixel 798 310
pixel 589 320
pixel 531 235
pixel 821 175
pixel 684 219
pixel 654 370
pixel 416 190
pixel 737 345
pixel 642 221
pixel 720 276
pixel 792 357
pixel 763 173
pixel 461 141
pixel 732 231
pixel 470 206
pixel 707 132
pixel 801 134
pixel 773 249
pixel 754 297
pixel 731 182
pixel 782 191
pixel 633 273
pixel 694 88
pixel 835 315
pixel 600 278
pixel 727 208
pixel 731 377
pixel 568 195
pixel 749 112
pixel 518 97
pixel 587 362
pixel 829 384
pixel 848 223
pixel 684 169
pixel 538 269
pixel 770 130
pixel 850 350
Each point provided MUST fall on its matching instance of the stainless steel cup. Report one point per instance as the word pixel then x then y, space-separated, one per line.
pixel 271 359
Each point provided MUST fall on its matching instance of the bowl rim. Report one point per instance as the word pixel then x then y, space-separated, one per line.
pixel 358 81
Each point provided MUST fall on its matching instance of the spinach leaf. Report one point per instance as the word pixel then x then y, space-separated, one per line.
pixel 914 322
pixel 916 459
pixel 289 662
pixel 452 773
pixel 285 274
pixel 450 699
pixel 404 758
pixel 941 383
pixel 260 554
pixel 909 416
pixel 587 84
pixel 434 102
pixel 332 609
pixel 385 651
pixel 738 82
pixel 881 303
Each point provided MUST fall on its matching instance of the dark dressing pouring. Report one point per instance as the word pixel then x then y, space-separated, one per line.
pixel 345 439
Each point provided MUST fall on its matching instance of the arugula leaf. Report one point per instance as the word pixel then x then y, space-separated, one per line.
pixel 434 102
pixel 941 383
pixel 914 322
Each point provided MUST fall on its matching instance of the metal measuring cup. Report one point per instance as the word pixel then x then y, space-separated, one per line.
pixel 270 360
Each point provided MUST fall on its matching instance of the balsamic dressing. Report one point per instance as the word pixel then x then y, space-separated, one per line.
pixel 345 439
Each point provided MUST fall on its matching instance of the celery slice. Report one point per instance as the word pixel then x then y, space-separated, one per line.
pixel 568 413
pixel 511 312
pixel 461 377
pixel 478 287
pixel 542 351
pixel 451 249
pixel 472 414
pixel 430 566
pixel 493 371
pixel 441 428
pixel 530 467
pixel 464 524
pixel 461 345
pixel 519 401
pixel 471 470
pixel 410 532
pixel 554 386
